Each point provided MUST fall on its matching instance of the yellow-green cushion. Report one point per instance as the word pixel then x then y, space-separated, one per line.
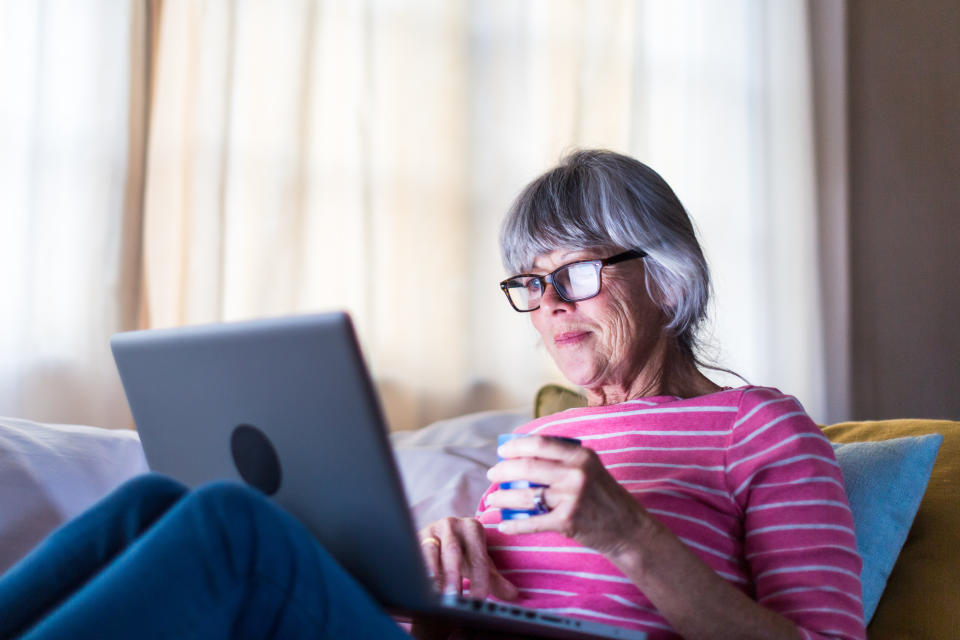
pixel 552 398
pixel 922 596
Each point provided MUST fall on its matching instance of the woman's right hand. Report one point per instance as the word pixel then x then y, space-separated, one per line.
pixel 455 549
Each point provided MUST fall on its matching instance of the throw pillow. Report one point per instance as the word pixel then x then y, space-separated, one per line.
pixel 885 482
pixel 552 398
pixel 51 472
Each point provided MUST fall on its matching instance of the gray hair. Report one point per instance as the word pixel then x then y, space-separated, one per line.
pixel 597 198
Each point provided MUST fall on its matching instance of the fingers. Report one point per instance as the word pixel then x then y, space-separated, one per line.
pixel 558 505
pixel 522 498
pixel 534 470
pixel 475 563
pixel 585 502
pixel 545 447
pixel 561 514
pixel 538 459
pixel 454 550
pixel 430 548
pixel 551 521
pixel 454 554
pixel 501 587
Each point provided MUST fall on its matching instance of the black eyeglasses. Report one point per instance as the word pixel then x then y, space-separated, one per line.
pixel 574 282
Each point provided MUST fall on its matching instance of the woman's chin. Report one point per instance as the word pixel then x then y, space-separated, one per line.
pixel 581 367
pixel 579 375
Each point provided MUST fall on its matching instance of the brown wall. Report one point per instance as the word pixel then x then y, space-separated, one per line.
pixel 904 163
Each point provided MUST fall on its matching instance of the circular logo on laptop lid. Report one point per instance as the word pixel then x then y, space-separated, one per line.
pixel 255 458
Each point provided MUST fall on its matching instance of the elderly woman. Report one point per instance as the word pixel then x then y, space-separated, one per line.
pixel 668 504
pixel 689 509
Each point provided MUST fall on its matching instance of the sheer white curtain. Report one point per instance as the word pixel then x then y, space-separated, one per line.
pixel 313 155
pixel 71 99
pixel 308 156
pixel 730 125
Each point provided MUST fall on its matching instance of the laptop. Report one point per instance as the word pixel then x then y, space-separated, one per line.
pixel 287 405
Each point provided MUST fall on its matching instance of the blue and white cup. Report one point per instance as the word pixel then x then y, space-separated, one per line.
pixel 517 514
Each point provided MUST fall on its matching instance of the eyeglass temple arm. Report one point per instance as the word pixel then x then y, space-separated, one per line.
pixel 626 255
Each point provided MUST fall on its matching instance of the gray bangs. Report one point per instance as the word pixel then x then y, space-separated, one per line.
pixel 600 199
pixel 542 221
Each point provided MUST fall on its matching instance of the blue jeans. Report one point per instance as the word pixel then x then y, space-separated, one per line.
pixel 154 560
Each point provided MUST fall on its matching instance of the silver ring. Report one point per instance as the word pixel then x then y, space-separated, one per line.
pixel 539 503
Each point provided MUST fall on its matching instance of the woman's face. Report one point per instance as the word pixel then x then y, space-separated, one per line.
pixel 605 340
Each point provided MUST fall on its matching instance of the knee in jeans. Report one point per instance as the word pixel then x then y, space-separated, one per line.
pixel 228 516
pixel 226 504
pixel 150 487
pixel 150 482
pixel 226 494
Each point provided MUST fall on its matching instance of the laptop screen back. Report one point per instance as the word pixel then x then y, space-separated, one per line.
pixel 286 405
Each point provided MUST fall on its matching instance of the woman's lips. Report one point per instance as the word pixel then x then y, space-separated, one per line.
pixel 569 338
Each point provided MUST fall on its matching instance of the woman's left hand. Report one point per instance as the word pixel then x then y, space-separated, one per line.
pixel 585 502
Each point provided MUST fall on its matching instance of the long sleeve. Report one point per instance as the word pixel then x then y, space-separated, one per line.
pixel 799 537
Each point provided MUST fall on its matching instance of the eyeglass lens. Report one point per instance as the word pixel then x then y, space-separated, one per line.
pixel 573 282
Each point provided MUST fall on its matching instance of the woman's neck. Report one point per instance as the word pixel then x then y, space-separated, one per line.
pixel 670 371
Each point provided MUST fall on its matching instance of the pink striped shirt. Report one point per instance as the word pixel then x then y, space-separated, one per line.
pixel 742 476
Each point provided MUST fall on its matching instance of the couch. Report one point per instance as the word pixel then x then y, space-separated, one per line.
pixel 49 473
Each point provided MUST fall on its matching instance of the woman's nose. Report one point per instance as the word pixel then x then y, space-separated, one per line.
pixel 551 300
